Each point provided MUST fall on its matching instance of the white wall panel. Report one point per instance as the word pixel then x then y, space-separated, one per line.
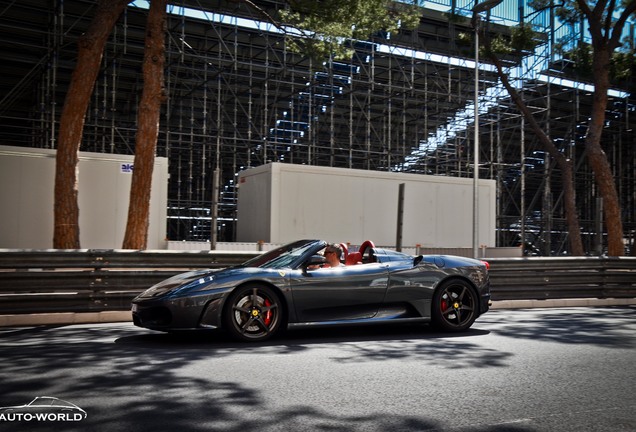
pixel 254 203
pixel 26 195
pixel 343 205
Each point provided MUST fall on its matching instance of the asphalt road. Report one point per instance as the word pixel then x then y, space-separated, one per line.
pixel 571 369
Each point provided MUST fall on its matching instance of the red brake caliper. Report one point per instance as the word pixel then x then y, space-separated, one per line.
pixel 268 315
pixel 444 305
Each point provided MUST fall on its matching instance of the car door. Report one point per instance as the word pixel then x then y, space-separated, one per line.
pixel 341 293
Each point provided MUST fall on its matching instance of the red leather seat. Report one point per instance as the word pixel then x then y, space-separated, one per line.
pixel 353 258
pixel 356 257
pixel 345 252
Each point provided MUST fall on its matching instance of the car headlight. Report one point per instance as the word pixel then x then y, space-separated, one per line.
pixel 175 282
pixel 159 289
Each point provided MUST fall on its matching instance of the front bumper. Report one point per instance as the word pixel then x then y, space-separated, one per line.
pixel 186 313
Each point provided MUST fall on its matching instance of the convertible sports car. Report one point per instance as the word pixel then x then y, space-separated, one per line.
pixel 287 287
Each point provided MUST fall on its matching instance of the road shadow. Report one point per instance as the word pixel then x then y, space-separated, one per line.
pixel 610 327
pixel 126 378
pixel 307 335
pixel 354 344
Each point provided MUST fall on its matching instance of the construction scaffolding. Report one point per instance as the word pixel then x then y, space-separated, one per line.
pixel 239 98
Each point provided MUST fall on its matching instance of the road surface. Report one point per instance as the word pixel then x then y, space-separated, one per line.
pixel 569 369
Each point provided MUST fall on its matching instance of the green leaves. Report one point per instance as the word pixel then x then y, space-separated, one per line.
pixel 328 25
pixel 522 39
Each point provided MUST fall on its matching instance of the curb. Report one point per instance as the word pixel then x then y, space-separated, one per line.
pixel 558 303
pixel 19 320
pixel 66 318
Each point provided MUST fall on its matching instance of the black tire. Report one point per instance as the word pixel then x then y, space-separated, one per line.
pixel 455 306
pixel 253 313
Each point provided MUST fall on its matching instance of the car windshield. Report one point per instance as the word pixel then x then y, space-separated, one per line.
pixel 42 401
pixel 283 256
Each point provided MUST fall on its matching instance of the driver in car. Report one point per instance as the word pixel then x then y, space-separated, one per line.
pixel 333 252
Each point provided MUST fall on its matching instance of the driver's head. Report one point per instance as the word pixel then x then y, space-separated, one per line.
pixel 333 248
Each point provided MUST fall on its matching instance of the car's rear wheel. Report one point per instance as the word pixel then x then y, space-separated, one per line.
pixel 455 306
pixel 253 313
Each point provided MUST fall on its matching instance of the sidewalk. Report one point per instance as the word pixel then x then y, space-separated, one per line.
pixel 20 320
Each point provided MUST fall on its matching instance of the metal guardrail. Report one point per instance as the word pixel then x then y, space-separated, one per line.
pixel 93 280
pixel 101 280
pixel 562 278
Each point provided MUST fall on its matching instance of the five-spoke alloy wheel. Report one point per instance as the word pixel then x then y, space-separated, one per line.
pixel 253 313
pixel 455 306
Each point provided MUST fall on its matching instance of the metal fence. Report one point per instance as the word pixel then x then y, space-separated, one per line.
pixel 107 280
pixel 562 278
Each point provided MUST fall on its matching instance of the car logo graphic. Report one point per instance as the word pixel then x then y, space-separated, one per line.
pixel 43 409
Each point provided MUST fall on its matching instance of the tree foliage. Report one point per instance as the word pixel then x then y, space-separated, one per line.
pixel 576 47
pixel 523 38
pixel 326 26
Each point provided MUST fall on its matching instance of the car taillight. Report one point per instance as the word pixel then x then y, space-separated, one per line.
pixel 487 264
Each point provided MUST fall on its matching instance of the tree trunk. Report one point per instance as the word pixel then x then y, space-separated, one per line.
pixel 153 95
pixel 89 58
pixel 606 30
pixel 597 157
pixel 569 196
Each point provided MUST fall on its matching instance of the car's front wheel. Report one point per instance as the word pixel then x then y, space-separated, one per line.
pixel 254 313
pixel 455 306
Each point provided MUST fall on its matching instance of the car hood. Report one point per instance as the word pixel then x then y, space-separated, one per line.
pixel 177 281
pixel 198 279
